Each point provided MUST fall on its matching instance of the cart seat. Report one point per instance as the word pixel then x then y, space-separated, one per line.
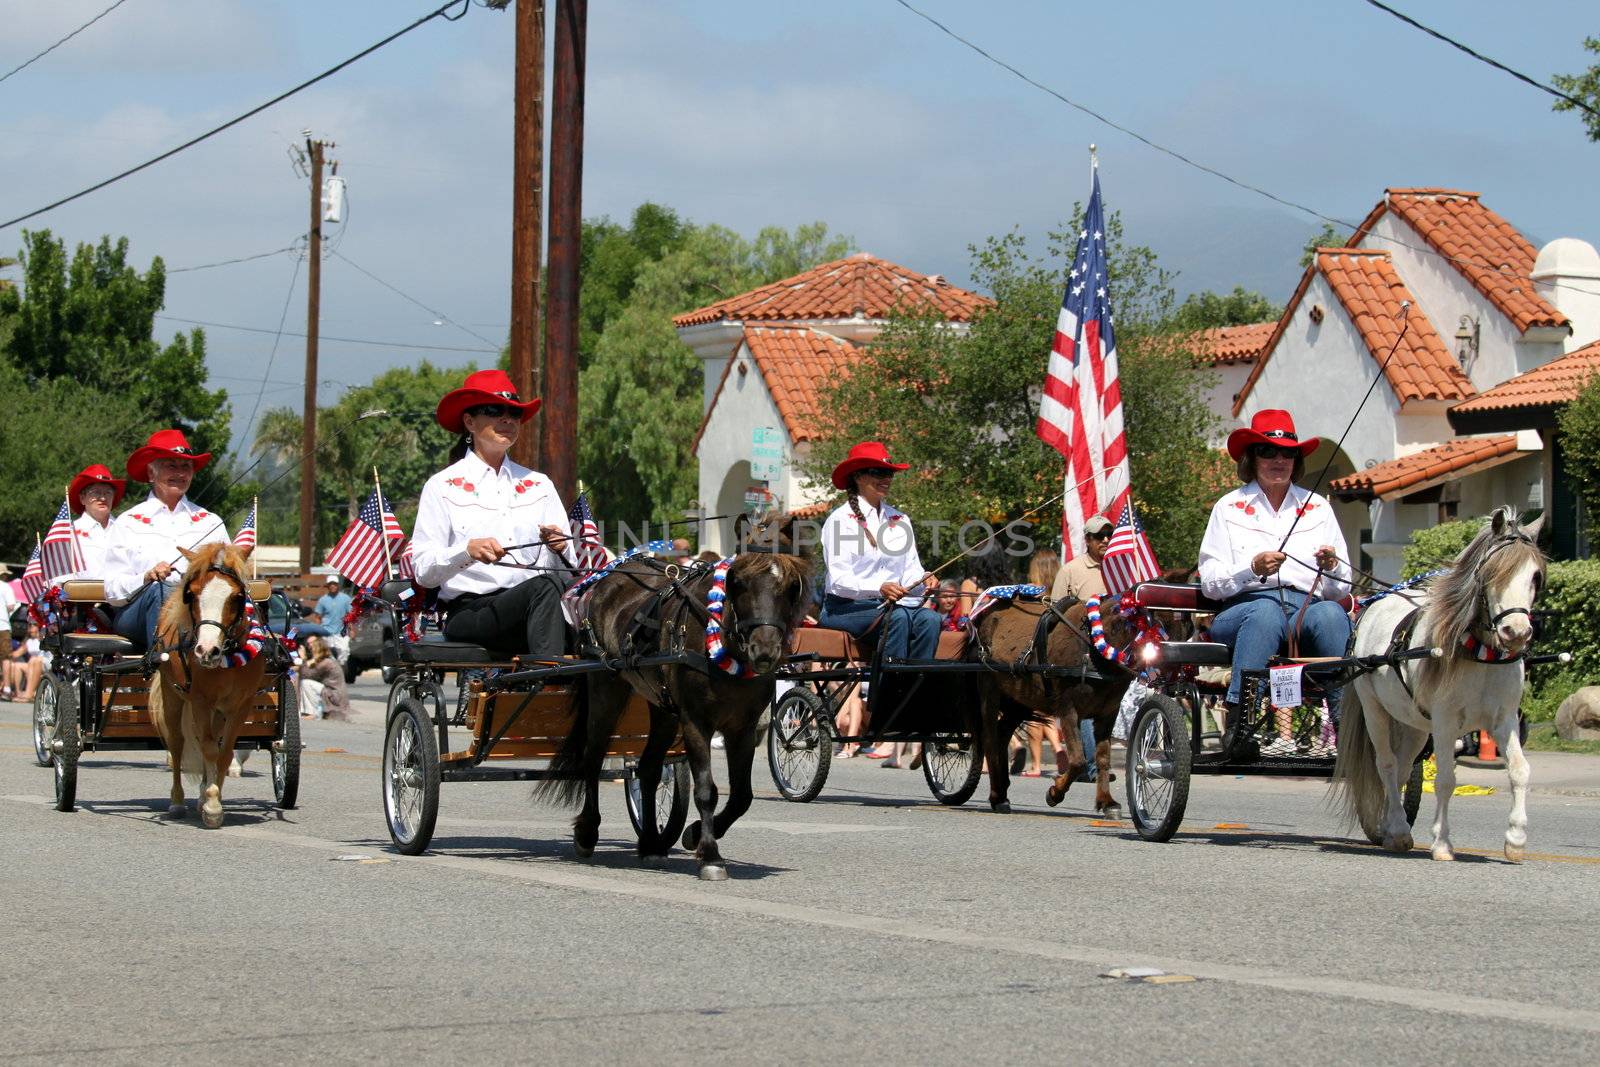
pixel 1174 596
pixel 96 645
pixel 952 644
pixel 432 650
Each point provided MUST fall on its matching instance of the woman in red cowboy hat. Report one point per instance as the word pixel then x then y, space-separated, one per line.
pixel 143 564
pixel 92 496
pixel 1265 585
pixel 507 599
pixel 872 560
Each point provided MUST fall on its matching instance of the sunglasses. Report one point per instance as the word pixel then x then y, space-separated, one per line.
pixel 1103 535
pixel 877 472
pixel 493 411
pixel 1274 452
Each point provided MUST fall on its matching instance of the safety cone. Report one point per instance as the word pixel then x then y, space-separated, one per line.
pixel 1488 753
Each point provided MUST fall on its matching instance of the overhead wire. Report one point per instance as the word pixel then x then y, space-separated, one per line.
pixel 439 12
pixel 441 316
pixel 241 259
pixel 34 59
pixel 283 317
pixel 328 337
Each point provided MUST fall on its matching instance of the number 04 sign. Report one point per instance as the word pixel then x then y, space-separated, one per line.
pixel 1286 686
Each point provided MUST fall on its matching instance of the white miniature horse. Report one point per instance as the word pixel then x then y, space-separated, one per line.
pixel 1479 613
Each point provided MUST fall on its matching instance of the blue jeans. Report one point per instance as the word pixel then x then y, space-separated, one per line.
pixel 1256 626
pixel 137 619
pixel 309 629
pixel 907 633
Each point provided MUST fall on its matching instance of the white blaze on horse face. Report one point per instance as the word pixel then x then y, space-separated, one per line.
pixel 213 600
pixel 1514 631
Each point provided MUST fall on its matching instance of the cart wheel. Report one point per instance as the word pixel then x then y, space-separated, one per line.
pixel 953 763
pixel 799 745
pixel 410 778
pixel 286 763
pixel 672 801
pixel 44 718
pixel 67 745
pixel 1158 768
pixel 1411 797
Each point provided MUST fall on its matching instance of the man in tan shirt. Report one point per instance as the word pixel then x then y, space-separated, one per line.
pixel 1082 578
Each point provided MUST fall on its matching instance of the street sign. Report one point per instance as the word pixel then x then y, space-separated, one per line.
pixel 766 454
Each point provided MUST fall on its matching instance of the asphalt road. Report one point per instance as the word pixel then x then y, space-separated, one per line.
pixel 871 925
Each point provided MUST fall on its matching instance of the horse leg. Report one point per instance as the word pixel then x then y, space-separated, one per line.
pixel 606 699
pixel 1000 718
pixel 217 757
pixel 1518 771
pixel 1396 833
pixel 663 728
pixel 740 751
pixel 1077 759
pixel 701 835
pixel 1444 786
pixel 1104 802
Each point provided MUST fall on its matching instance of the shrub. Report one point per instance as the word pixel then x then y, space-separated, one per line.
pixel 1570 607
pixel 1437 546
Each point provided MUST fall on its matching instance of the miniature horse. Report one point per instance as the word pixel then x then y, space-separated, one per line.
pixel 1480 614
pixel 767 593
pixel 198 703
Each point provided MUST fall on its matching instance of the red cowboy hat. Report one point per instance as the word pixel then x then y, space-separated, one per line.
pixel 482 387
pixel 866 454
pixel 1270 427
pixel 94 474
pixel 163 444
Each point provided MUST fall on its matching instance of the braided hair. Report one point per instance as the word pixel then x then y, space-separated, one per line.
pixel 855 509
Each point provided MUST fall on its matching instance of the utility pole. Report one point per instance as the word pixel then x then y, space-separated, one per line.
pixel 559 431
pixel 308 435
pixel 527 216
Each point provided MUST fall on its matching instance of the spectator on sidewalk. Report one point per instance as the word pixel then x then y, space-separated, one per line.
pixel 322 691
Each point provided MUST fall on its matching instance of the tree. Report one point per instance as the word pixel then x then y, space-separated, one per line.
pixel 85 381
pixel 1585 87
pixel 1579 427
pixel 1203 311
pixel 1327 237
pixel 611 258
pixel 962 408
pixel 640 397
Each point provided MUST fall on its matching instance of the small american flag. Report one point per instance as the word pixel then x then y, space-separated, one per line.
pixel 591 554
pixel 60 553
pixel 406 563
pixel 1129 558
pixel 360 554
pixel 1080 411
pixel 30 586
pixel 246 537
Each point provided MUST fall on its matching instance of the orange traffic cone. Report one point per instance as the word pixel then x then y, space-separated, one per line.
pixel 1486 749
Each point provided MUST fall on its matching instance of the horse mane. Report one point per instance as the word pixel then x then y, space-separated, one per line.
pixel 749 564
pixel 174 616
pixel 1498 551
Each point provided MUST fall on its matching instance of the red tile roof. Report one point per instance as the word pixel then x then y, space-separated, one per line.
pixel 1453 459
pixel 796 363
pixel 1222 345
pixel 1552 385
pixel 858 286
pixel 1486 249
pixel 1366 285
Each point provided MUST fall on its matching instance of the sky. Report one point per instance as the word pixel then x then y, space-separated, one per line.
pixel 755 113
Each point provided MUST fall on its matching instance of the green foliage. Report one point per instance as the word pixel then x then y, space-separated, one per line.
pixel 1585 87
pixel 83 380
pixel 1327 237
pixel 1437 546
pixel 611 258
pixel 1548 686
pixel 1570 605
pixel 640 396
pixel 1202 311
pixel 962 408
pixel 1579 427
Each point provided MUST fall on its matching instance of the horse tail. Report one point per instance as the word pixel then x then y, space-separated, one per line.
pixel 565 785
pixel 1357 789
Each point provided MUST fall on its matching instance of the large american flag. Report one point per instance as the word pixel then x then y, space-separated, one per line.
pixel 590 554
pixel 360 554
pixel 30 586
pixel 1080 412
pixel 1129 558
pixel 246 537
pixel 60 554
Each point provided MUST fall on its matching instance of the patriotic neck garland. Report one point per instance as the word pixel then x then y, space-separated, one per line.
pixel 716 650
pixel 1147 630
pixel 1484 653
pixel 255 639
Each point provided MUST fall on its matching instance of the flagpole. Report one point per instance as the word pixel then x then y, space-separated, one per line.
pixel 255 521
pixel 78 563
pixel 383 528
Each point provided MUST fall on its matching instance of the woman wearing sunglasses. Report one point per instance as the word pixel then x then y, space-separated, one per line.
pixel 872 560
pixel 473 513
pixel 1265 586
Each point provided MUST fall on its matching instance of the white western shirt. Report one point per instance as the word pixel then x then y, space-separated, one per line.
pixel 1244 524
pixel 149 533
pixel 857 569
pixel 93 548
pixel 468 500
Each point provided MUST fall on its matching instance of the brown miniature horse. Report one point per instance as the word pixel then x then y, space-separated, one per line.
pixel 767 594
pixel 1005 632
pixel 198 702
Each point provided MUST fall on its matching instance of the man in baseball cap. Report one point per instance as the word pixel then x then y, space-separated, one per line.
pixel 1082 578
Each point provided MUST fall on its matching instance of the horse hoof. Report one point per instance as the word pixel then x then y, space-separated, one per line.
pixel 177 811
pixel 713 872
pixel 1054 796
pixel 1002 808
pixel 691 837
pixel 1514 853
pixel 211 819
pixel 234 770
pixel 581 850
pixel 1442 853
pixel 1110 807
pixel 1399 843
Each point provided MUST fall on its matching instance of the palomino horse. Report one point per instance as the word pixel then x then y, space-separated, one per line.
pixel 199 702
pixel 1480 613
pixel 765 597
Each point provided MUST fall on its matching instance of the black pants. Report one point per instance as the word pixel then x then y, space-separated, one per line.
pixel 525 618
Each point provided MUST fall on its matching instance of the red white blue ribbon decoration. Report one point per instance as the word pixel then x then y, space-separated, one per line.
pixel 716 650
pixel 254 639
pixel 1483 653
pixel 1148 630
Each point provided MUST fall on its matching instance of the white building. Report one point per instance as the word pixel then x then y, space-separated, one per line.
pixel 766 356
pixel 1459 297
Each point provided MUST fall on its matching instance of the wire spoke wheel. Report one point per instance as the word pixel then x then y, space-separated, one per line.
pixel 286 752
pixel 410 778
pixel 953 763
pixel 44 719
pixel 1158 768
pixel 799 745
pixel 672 801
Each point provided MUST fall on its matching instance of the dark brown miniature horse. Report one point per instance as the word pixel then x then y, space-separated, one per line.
pixel 767 594
pixel 1005 633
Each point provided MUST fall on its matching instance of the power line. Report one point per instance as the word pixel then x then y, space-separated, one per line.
pixel 231 262
pixel 1481 58
pixel 283 317
pixel 64 40
pixel 1180 157
pixel 326 337
pixel 169 153
pixel 397 291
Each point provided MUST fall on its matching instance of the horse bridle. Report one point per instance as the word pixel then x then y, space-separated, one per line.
pixel 1491 623
pixel 230 636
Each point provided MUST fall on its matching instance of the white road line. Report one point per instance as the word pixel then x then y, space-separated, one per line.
pixel 568 875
